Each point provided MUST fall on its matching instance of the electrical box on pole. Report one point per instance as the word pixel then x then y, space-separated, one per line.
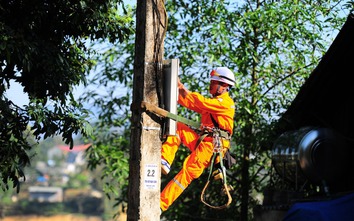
pixel 170 90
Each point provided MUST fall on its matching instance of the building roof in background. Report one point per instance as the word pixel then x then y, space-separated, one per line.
pixel 76 148
pixel 325 99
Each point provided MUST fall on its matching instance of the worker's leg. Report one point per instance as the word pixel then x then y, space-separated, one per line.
pixel 185 135
pixel 169 148
pixel 193 167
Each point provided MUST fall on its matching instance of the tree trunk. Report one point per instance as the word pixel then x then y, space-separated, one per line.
pixel 245 184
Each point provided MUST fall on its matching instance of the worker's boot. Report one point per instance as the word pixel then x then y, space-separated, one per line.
pixel 165 167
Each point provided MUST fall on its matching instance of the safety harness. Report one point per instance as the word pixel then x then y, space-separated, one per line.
pixel 217 134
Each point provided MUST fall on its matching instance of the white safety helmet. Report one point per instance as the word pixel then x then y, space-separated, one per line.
pixel 223 74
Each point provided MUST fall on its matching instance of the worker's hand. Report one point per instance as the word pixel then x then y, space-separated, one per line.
pixel 181 89
pixel 179 85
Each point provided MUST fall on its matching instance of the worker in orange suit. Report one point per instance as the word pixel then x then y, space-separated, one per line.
pixel 217 111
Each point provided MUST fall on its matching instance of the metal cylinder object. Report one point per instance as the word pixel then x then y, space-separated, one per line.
pixel 318 155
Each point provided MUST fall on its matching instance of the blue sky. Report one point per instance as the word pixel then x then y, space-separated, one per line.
pixel 16 94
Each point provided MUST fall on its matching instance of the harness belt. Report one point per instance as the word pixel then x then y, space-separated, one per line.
pixel 209 132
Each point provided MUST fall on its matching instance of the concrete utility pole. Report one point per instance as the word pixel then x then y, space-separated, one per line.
pixel 145 146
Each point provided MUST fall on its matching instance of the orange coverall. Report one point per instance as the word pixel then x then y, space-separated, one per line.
pixel 222 108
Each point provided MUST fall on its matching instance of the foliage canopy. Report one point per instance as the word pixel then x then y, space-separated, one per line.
pixel 43 47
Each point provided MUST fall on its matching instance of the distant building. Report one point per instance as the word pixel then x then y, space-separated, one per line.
pixel 74 157
pixel 45 194
pixel 62 163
